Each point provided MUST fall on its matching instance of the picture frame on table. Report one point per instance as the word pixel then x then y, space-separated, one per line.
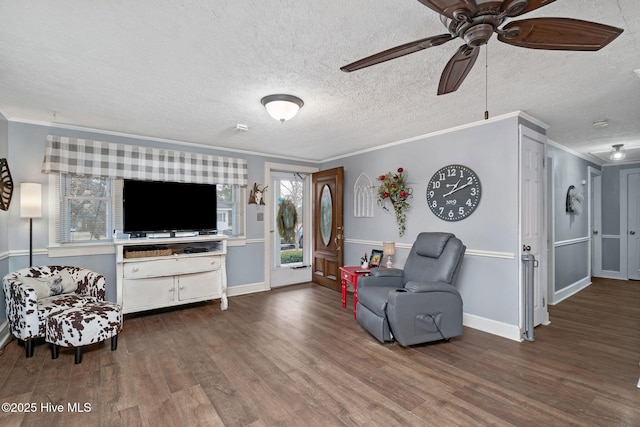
pixel 376 258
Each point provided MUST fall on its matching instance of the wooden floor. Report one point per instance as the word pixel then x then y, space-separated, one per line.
pixel 294 357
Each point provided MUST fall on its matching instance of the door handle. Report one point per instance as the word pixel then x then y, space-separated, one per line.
pixel 595 231
pixel 632 232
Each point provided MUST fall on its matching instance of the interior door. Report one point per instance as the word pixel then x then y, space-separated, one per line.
pixel 633 226
pixel 532 205
pixel 328 232
pixel 596 223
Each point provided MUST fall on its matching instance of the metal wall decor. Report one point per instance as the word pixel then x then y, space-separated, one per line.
pixel 6 185
pixel 363 197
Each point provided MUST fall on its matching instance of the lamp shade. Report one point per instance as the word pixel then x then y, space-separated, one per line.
pixel 30 200
pixel 389 248
pixel 617 152
pixel 282 107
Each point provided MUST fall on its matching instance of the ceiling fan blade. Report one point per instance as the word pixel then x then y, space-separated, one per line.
pixel 558 34
pixel 520 7
pixel 448 7
pixel 457 69
pixel 398 51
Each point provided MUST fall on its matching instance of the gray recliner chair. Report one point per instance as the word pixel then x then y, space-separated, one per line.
pixel 419 303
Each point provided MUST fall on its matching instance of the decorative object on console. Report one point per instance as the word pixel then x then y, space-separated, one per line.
pixel 364 261
pixel 30 207
pixel 453 192
pixel 282 107
pixel 256 195
pixel 376 258
pixel 389 249
pixel 617 152
pixel 6 185
pixel 574 200
pixel 394 188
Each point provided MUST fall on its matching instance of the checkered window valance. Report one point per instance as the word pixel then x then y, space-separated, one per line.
pixel 85 157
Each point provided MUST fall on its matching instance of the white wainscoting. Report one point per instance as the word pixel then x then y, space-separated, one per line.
pixel 580 284
pixel 612 274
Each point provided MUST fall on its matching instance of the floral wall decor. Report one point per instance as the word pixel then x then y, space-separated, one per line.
pixel 394 188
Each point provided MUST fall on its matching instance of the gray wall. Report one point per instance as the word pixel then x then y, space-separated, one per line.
pixel 26 143
pixel 489 285
pixel 570 230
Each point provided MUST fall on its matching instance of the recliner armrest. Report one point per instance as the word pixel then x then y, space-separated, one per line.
pixel 430 287
pixel 384 281
pixel 387 272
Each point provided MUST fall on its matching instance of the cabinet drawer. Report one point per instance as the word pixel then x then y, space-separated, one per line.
pixel 170 267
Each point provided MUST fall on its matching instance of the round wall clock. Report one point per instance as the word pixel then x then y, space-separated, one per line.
pixel 453 192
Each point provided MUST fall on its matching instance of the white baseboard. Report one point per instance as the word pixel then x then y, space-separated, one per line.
pixel 250 288
pixel 610 274
pixel 494 327
pixel 572 289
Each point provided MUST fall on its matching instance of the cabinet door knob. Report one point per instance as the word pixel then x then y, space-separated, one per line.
pixel 136 269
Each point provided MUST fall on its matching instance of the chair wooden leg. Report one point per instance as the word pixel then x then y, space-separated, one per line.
pixel 114 342
pixel 54 351
pixel 78 357
pixel 28 346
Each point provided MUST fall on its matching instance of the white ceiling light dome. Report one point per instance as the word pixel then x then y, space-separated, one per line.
pixel 282 107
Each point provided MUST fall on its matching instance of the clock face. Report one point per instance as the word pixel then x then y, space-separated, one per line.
pixel 453 192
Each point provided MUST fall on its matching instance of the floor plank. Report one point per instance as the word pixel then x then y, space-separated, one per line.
pixel 294 356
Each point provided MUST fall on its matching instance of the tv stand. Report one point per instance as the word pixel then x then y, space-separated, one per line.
pixel 163 272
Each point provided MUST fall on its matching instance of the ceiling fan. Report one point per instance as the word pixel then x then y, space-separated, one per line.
pixel 474 21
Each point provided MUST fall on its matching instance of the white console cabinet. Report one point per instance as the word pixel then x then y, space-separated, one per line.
pixel 157 273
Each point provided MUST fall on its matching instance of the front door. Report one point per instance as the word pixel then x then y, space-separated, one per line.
pixel 328 232
pixel 533 233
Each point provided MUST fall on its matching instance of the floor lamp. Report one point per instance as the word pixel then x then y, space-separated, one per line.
pixel 30 207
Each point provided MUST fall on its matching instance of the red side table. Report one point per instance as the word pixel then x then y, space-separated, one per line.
pixel 350 274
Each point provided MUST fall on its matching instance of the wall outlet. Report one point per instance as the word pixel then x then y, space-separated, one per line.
pixel 260 216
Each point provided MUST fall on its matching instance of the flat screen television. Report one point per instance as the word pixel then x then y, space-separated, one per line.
pixel 158 206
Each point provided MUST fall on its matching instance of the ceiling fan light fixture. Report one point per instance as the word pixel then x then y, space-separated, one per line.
pixel 617 152
pixel 282 107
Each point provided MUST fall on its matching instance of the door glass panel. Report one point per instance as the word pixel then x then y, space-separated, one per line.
pixel 288 215
pixel 326 215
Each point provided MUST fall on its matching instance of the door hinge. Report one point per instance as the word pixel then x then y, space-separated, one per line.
pixel 544 303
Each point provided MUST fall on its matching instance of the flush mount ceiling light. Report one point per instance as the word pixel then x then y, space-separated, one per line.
pixel 282 107
pixel 617 152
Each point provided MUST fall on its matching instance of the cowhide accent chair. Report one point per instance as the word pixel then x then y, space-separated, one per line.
pixel 419 303
pixel 35 293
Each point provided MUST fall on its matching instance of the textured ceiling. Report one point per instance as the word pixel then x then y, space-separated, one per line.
pixel 190 70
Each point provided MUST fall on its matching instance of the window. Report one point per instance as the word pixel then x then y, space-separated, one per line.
pixel 231 210
pixel 85 209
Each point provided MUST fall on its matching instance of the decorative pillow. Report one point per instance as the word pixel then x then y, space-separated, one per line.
pixel 69 284
pixel 62 283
